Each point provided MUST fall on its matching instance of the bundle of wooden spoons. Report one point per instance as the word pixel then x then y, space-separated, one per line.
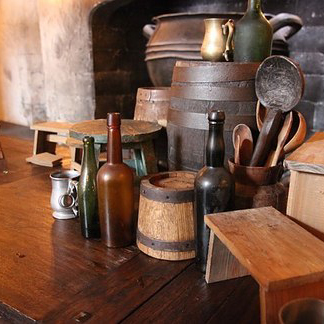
pixel 279 86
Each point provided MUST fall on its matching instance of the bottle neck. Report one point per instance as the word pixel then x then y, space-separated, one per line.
pixel 114 147
pixel 215 148
pixel 254 6
pixel 88 155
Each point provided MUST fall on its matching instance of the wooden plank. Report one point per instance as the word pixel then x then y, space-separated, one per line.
pixel 56 138
pixel 188 299
pixel 45 159
pixel 242 306
pixel 119 293
pixel 221 263
pixel 309 157
pixel 276 251
pixel 305 199
pixel 54 127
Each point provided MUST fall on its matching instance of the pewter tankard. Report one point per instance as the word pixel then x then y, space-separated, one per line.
pixel 64 194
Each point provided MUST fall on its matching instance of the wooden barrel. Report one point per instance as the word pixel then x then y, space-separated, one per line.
pixel 152 104
pixel 166 217
pixel 197 88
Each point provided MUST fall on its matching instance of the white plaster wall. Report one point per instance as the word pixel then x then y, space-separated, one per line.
pixel 46 66
pixel 22 97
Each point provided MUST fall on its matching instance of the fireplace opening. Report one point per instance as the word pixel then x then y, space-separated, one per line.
pixel 119 52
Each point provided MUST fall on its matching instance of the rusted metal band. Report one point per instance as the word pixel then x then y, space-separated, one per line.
pixel 222 72
pixel 153 94
pixel 200 121
pixel 164 245
pixel 167 196
pixel 213 93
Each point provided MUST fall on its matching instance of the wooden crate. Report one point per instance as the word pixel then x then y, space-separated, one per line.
pixel 306 191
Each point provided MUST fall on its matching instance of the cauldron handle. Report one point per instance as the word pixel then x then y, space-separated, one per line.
pixel 148 30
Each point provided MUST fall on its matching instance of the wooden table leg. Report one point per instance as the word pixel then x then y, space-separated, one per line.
pixel 221 263
pixel 41 144
pixel 148 157
pixel 272 301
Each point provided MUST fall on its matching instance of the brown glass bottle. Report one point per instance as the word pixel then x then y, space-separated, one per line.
pixel 115 191
pixel 214 185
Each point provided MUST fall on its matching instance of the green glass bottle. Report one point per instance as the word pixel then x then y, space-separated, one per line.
pixel 214 186
pixel 87 191
pixel 253 35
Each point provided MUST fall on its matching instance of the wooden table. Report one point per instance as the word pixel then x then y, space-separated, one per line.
pixel 135 134
pixel 50 273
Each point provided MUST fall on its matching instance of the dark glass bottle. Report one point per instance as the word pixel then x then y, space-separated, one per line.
pixel 253 35
pixel 115 191
pixel 87 191
pixel 214 185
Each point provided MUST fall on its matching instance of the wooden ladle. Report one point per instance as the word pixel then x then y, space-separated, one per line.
pixel 243 144
pixel 279 86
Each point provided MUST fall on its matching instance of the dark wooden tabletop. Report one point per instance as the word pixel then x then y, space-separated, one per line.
pixel 51 274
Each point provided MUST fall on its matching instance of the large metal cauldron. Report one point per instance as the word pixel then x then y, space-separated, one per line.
pixel 179 37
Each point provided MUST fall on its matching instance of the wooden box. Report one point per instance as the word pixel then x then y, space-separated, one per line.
pixel 306 191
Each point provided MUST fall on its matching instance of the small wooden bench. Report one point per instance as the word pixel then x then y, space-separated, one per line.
pixel 285 259
pixel 46 136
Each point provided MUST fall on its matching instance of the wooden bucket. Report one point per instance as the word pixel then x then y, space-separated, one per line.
pixel 197 88
pixel 166 218
pixel 152 104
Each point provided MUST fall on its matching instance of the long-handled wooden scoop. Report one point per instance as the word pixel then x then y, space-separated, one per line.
pixel 282 138
pixel 279 85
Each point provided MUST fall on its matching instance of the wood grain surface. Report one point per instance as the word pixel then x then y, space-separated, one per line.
pixel 276 251
pixel 51 274
pixel 131 130
pixel 309 157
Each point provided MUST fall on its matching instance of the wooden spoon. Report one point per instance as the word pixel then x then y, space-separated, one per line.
pixel 296 137
pixel 243 144
pixel 282 137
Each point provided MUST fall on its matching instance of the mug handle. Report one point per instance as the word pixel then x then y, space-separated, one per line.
pixel 228 30
pixel 71 195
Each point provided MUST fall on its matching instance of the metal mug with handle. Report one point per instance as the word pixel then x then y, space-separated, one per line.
pixel 64 199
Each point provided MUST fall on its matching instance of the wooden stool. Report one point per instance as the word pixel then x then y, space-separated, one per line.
pixel 135 135
pixel 47 135
pixel 285 259
pixel 305 198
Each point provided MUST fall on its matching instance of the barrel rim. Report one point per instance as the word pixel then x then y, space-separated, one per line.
pixel 167 195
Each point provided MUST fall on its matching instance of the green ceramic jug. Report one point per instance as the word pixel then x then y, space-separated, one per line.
pixel 253 35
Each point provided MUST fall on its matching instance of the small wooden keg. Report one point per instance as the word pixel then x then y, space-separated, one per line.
pixel 152 104
pixel 166 218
